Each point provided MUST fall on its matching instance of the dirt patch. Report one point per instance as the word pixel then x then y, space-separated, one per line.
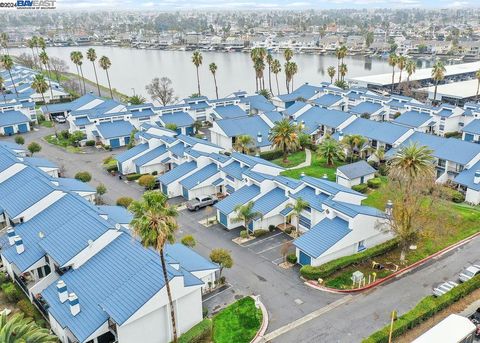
pixel 457 307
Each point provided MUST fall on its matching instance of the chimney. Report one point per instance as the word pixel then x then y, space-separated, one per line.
pixel 11 236
pixel 389 208
pixel 476 179
pixel 325 177
pixel 302 174
pixel 259 137
pixel 340 136
pixel 62 291
pixel 74 304
pixel 19 244
pixel 295 121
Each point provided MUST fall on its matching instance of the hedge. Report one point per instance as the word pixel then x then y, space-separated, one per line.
pixel 202 332
pixel 27 308
pixel 260 232
pixel 374 183
pixel 271 155
pixel 327 269
pixel 83 176
pixel 124 201
pixel 362 188
pixel 425 309
pixel 133 177
pixel 292 258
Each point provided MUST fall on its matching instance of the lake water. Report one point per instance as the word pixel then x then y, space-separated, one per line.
pixel 132 69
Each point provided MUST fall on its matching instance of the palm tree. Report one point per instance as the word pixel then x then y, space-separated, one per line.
pixel 477 76
pixel 92 56
pixel 392 61
pixel 2 88
pixel 40 86
pixel 18 329
pixel 80 62
pixel 255 56
pixel 31 43
pixel 276 69
pixel 293 71
pixel 344 52
pixel 411 162
pixel 288 76
pixel 75 58
pixel 297 209
pixel 44 60
pixel 331 73
pixel 438 74
pixel 401 63
pixel 353 143
pixel 343 71
pixel 331 150
pixel 246 215
pixel 105 64
pixel 259 66
pixel 213 69
pixel 243 143
pixel 284 136
pixel 197 60
pixel 8 65
pixel 154 222
pixel 288 54
pixel 262 54
pixel 41 43
pixel 4 41
pixel 338 54
pixel 269 62
pixel 411 68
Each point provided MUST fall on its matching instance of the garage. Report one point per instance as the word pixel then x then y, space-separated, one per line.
pixel 127 140
pixel 8 130
pixel 22 128
pixel 185 193
pixel 115 142
pixel 223 219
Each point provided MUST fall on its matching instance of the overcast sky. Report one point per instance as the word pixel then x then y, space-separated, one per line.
pixel 265 4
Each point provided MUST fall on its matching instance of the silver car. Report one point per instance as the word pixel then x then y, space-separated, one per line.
pixel 469 273
pixel 443 288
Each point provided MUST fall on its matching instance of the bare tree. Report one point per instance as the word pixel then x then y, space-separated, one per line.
pixel 285 248
pixel 26 60
pixel 161 90
pixel 58 66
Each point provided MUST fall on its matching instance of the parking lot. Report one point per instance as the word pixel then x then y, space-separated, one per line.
pixel 269 246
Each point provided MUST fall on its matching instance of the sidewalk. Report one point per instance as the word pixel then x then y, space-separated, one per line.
pixel 307 163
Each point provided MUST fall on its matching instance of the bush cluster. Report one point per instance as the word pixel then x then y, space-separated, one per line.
pixel 243 234
pixel 90 142
pixel 133 177
pixel 202 332
pixel 147 181
pixel 271 155
pixel 327 269
pixel 260 232
pixel 292 258
pixel 124 201
pixel 83 176
pixel 374 183
pixel 27 308
pixel 451 194
pixel 11 291
pixel 362 188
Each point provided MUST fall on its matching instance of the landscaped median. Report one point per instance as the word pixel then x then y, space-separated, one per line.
pixel 425 309
pixel 239 322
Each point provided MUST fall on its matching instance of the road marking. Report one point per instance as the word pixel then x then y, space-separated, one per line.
pixel 265 250
pixel 275 261
pixel 213 296
pixel 262 240
pixel 296 323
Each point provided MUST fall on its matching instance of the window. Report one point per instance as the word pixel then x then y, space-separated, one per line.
pixel 361 246
pixel 304 221
pixel 442 127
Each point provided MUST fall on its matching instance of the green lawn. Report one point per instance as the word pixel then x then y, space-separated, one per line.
pixel 317 169
pixel 237 323
pixel 63 143
pixel 46 123
pixel 293 160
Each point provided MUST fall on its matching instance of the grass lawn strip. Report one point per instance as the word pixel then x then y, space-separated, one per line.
pixel 63 143
pixel 293 159
pixel 317 169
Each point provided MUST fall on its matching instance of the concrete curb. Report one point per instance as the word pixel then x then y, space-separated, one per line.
pixel 398 273
pixel 263 328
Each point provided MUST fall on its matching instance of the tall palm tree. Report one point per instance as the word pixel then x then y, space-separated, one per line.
pixel 411 162
pixel 353 143
pixel 154 223
pixel 331 150
pixel 259 66
pixel 213 69
pixel 40 86
pixel 293 71
pixel 297 209
pixel 344 52
pixel 18 329
pixel 401 63
pixel 245 214
pixel 4 41
pixel 255 56
pixel 243 143
pixel 197 60
pixel 74 58
pixel 477 76
pixel 438 74
pixel 44 60
pixel 331 73
pixel 392 61
pixel 37 44
pixel 284 136
pixel 31 44
pixel 338 54
pixel 8 65
pixel 92 56
pixel 2 88
pixel 276 69
pixel 343 71
pixel 80 62
pixel 411 68
pixel 41 43
pixel 105 64
pixel 288 54
pixel 269 62
pixel 262 55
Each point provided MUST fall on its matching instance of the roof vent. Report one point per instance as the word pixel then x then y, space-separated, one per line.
pixel 118 226
pixel 74 304
pixel 19 244
pixel 41 234
pixel 62 291
pixel 90 242
pixel 11 236
pixel 476 179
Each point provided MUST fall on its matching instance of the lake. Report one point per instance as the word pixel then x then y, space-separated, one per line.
pixel 132 69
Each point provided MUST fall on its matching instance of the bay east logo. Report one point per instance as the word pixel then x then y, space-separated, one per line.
pixel 36 4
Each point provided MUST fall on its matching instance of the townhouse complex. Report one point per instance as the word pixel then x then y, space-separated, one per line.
pixel 79 264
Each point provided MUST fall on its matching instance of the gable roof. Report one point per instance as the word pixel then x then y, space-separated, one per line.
pixel 472 127
pixel 247 125
pixel 131 153
pixel 381 131
pixel 199 176
pixel 356 169
pixel 119 128
pixel 12 118
pixel 239 197
pixel 177 172
pixel 413 118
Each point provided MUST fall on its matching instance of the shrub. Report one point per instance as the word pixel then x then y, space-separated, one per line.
pixel 292 258
pixel 288 230
pixel 26 307
pixel 108 160
pixel 362 188
pixel 40 118
pixel 3 278
pixel 64 134
pixel 90 142
pixel 222 280
pixel 243 234
pixel 133 177
pixel 202 332
pixel 326 269
pixel 12 293
pixel 155 173
pixel 188 241
pixel 107 147
pixel 271 228
pixel 259 233
pixel 425 309
pixel 112 168
pixel 382 170
pixel 458 197
pixel 33 148
pixel 454 134
pixel 271 155
pixel 205 310
pixel 83 176
pixel 19 140
pixel 374 183
pixel 147 181
pixel 124 201
pixel 451 194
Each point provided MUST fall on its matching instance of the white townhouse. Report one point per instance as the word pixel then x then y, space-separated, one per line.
pixel 354 174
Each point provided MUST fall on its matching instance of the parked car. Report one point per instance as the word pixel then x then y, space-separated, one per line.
pixel 443 288
pixel 59 119
pixel 202 201
pixel 469 272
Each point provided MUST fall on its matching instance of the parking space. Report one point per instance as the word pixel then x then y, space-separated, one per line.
pixel 269 246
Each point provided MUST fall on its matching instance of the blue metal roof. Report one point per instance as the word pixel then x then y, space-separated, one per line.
pixel 249 125
pixel 118 214
pixel 119 128
pixel 467 177
pixel 145 112
pixel 74 185
pixel 327 100
pixel 239 197
pixel 199 176
pixel 190 260
pixel 234 169
pixel 305 91
pixel 322 236
pixel 180 119
pixel 177 172
pixel 287 181
pixel 317 116
pixel 217 181
pixel 314 201
pixel 40 162
pixel 273 116
pixel 219 157
pixel 150 155
pixel 366 107
pixel 328 186
pixel 229 111
pixel 353 210
pixel 413 119
pixel 472 127
pixel 13 118
pixel 445 112
pixel 269 201
pixel 82 121
pixel 381 131
pixel 131 153
pixel 294 108
pixel 253 160
pixel 177 149
pixel 356 169
pixel 286 211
